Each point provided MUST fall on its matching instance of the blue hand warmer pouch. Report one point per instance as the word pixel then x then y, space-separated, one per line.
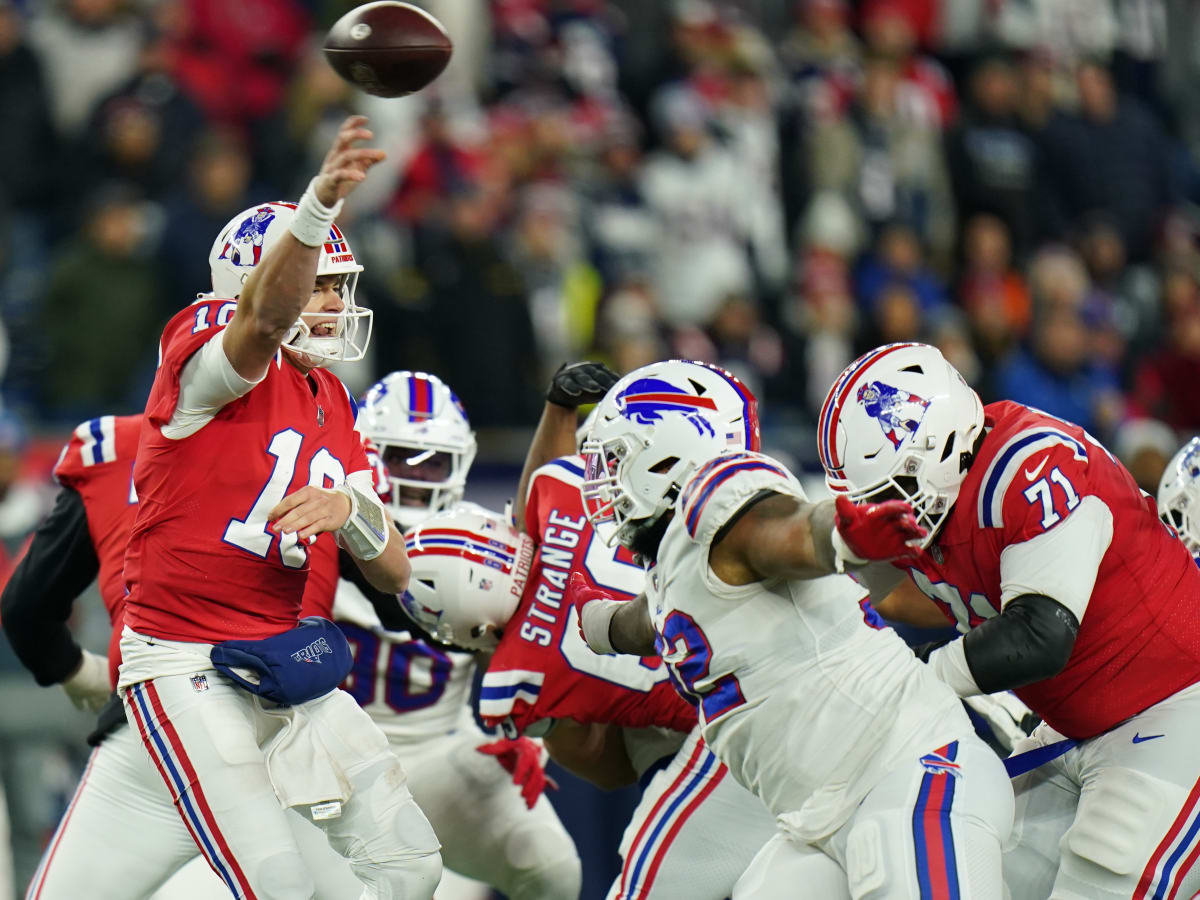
pixel 299 665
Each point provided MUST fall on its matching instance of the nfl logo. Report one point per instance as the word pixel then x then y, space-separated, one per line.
pixel 199 683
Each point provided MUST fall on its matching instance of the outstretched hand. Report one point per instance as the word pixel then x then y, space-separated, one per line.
pixel 575 384
pixel 878 531
pixel 345 165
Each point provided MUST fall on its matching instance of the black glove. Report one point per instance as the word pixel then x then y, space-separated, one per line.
pixel 575 384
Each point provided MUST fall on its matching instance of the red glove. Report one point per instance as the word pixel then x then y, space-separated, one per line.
pixel 522 759
pixel 878 531
pixel 579 594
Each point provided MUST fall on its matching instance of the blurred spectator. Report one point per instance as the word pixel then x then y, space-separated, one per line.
pixel 949 331
pixel 1112 158
pixel 628 330
pixel 1123 304
pixel 708 216
pixel 439 166
pixel 26 141
pixel 893 29
pixel 1164 383
pixel 102 313
pixel 216 189
pixel 1145 446
pixel 822 56
pixel 1065 32
pixel 563 288
pixel 897 260
pixel 887 163
pixel 87 49
pixel 736 339
pixel 25 497
pixel 994 295
pixel 1058 377
pixel 993 162
pixel 619 225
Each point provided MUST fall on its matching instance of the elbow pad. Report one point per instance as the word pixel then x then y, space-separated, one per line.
pixel 1030 641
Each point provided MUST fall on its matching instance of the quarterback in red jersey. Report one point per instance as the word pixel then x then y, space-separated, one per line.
pixel 248 450
pixel 611 719
pixel 1069 591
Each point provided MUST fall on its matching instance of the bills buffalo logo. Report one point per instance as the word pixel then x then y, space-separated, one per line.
pixel 898 412
pixel 1189 466
pixel 249 238
pixel 646 399
pixel 423 615
pixel 936 764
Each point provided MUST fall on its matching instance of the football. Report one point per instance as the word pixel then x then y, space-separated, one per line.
pixel 387 48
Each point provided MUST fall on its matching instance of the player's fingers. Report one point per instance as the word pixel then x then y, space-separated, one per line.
pixel 298 518
pixel 551 783
pixel 288 503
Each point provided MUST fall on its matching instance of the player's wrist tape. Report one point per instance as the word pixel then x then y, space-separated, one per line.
pixel 842 553
pixel 595 621
pixel 949 663
pixel 365 534
pixel 313 219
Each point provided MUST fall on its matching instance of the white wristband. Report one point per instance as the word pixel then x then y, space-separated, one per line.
pixel 842 553
pixel 313 219
pixel 595 620
pixel 949 663
pixel 366 532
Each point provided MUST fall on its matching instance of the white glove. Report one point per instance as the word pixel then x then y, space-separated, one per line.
pixel 1005 713
pixel 89 688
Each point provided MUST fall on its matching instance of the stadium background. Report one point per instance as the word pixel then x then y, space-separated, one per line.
pixel 772 185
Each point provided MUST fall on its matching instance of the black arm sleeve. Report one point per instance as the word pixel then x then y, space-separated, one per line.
pixel 1031 640
pixel 387 606
pixel 37 601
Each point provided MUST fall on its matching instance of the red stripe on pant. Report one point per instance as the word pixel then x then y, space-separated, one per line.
pixel 658 804
pixel 1147 879
pixel 661 853
pixel 194 785
pixel 44 869
pixel 935 845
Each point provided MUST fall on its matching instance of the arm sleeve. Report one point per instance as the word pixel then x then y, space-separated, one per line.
pixel 37 600
pixel 1031 640
pixel 207 382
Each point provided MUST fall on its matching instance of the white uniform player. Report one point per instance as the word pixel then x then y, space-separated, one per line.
pixel 1179 495
pixel 418 691
pixel 879 784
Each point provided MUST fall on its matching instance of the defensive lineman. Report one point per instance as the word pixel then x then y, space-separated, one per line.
pixel 880 786
pixel 1179 496
pixel 219 551
pixel 1070 592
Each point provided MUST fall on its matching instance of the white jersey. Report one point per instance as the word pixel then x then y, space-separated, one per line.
pixel 805 703
pixel 414 691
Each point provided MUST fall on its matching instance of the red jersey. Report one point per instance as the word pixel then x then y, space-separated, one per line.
pixel 1138 642
pixel 542 668
pixel 202 564
pixel 323 576
pixel 97 463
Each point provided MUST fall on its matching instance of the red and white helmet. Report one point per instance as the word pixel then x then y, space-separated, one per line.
pixel 652 429
pixel 900 419
pixel 1179 495
pixel 469 568
pixel 425 443
pixel 241 245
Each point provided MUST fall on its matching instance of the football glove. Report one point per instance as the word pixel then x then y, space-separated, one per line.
pixel 595 609
pixel 89 688
pixel 575 384
pixel 1009 718
pixel 874 531
pixel 525 760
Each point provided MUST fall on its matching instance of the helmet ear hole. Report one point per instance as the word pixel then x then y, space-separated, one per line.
pixel 664 465
pixel 427 582
pixel 948 448
pixel 915 367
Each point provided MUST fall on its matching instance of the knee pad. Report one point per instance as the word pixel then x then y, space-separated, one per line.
pixel 541 863
pixel 284 877
pixel 1117 825
pixel 865 865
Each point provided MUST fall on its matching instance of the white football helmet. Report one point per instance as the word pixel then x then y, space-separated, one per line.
pixel 469 568
pixel 240 247
pixel 652 429
pixel 1179 495
pixel 900 422
pixel 425 443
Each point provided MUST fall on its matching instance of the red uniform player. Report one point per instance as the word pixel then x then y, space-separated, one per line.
pixel 1070 591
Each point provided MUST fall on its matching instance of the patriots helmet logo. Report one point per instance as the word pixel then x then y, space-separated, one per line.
pixel 248 239
pixel 898 412
pixel 936 764
pixel 645 400
pixel 422 614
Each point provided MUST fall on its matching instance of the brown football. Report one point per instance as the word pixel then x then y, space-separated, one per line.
pixel 388 49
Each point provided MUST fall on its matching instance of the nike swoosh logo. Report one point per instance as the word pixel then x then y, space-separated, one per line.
pixel 1034 474
pixel 1137 738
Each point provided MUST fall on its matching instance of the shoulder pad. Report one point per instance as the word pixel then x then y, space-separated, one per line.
pixel 1020 461
pixel 509 693
pixel 93 443
pixel 723 486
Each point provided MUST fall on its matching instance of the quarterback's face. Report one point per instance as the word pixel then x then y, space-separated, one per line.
pixel 326 298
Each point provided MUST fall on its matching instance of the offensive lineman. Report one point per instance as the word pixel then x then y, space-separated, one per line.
pixel 219 551
pixel 879 784
pixel 1070 592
